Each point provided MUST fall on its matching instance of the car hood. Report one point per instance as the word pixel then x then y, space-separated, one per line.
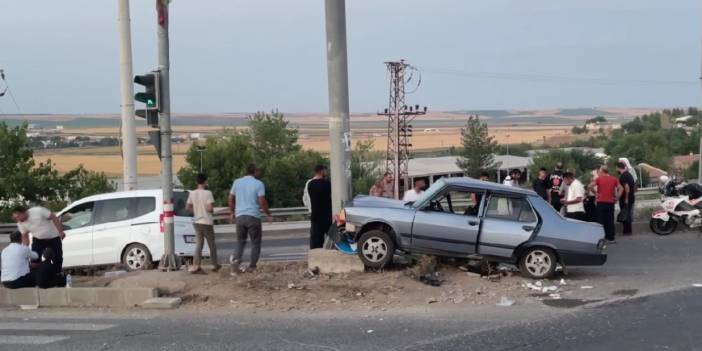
pixel 374 201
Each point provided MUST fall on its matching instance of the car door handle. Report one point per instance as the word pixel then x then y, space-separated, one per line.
pixel 472 223
pixel 528 228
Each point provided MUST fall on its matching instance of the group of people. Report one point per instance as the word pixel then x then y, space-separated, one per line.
pixel 594 202
pixel 40 264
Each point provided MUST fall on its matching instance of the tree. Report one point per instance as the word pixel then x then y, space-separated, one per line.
pixel 365 166
pixel 478 152
pixel 271 135
pixel 577 161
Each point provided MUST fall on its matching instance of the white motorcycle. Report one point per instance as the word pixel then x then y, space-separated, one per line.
pixel 680 204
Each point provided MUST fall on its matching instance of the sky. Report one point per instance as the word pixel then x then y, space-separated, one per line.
pixel 242 56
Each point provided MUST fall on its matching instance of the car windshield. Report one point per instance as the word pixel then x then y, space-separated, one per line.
pixel 429 193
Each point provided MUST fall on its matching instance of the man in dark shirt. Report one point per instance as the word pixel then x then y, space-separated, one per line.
pixel 46 275
pixel 628 196
pixel 319 191
pixel 542 186
pixel 556 181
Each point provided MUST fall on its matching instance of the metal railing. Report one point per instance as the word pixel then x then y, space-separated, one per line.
pixel 7 228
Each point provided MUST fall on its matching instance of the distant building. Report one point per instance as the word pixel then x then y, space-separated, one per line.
pixel 432 169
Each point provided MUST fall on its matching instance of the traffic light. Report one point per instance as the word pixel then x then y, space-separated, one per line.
pixel 150 96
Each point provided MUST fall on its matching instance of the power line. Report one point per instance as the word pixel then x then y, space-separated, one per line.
pixel 9 91
pixel 548 78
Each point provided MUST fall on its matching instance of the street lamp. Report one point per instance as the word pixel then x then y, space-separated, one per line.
pixel 201 149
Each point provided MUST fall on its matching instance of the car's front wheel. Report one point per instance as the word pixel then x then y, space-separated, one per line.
pixel 137 257
pixel 538 263
pixel 376 248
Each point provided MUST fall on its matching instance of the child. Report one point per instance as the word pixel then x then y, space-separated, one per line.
pixel 47 275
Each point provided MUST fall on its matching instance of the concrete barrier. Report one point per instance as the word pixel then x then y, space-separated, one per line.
pixel 332 261
pixel 83 297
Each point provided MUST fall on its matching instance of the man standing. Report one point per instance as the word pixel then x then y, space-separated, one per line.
pixel 319 192
pixel 607 190
pixel 556 181
pixel 388 186
pixel 541 185
pixel 414 193
pixel 15 264
pixel 201 204
pixel 46 229
pixel 628 195
pixel 575 195
pixel 246 201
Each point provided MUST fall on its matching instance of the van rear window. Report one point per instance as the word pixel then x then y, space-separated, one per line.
pixel 180 199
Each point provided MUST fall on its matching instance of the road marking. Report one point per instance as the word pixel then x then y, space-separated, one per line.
pixel 55 326
pixel 30 339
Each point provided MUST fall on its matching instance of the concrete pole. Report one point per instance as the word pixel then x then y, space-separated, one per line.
pixel 339 123
pixel 129 139
pixel 169 261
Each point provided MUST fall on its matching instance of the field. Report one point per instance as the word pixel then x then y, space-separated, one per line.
pixel 538 127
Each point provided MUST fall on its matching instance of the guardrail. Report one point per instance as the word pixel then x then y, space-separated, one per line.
pixel 7 228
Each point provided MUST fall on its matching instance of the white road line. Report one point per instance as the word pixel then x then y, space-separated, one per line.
pixel 56 326
pixel 30 339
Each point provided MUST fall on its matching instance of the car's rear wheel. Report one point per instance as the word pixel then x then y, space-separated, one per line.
pixel 376 248
pixel 137 257
pixel 662 227
pixel 538 263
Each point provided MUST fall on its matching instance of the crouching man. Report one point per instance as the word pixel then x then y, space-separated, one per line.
pixel 15 264
pixel 46 229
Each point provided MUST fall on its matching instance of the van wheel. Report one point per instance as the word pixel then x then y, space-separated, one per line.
pixel 376 248
pixel 538 263
pixel 137 257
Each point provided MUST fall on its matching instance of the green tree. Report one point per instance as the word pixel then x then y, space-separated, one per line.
pixel 478 152
pixel 365 166
pixel 271 135
pixel 577 161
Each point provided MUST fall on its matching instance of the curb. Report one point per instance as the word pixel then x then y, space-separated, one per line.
pixel 77 297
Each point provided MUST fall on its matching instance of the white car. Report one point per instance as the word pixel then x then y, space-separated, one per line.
pixel 124 227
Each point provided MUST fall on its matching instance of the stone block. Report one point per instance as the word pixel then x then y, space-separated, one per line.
pixel 162 303
pixel 109 297
pixel 137 296
pixel 53 297
pixel 26 296
pixel 332 261
pixel 81 296
pixel 3 297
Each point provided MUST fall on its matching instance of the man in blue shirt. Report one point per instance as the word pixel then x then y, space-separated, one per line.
pixel 246 201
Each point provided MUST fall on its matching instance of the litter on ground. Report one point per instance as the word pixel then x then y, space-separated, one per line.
pixel 505 302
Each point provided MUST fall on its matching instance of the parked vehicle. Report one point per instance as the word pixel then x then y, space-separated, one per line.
pixel 680 205
pixel 123 227
pixel 506 224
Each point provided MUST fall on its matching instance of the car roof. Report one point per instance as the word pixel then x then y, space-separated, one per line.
pixel 489 186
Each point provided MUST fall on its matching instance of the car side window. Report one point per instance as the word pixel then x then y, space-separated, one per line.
pixel 180 199
pixel 514 209
pixel 78 217
pixel 456 201
pixel 145 205
pixel 114 210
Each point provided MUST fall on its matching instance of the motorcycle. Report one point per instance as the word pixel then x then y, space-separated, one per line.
pixel 681 204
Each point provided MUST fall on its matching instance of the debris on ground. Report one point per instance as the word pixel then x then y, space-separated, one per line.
pixel 586 287
pixel 697 285
pixel 555 296
pixel 311 273
pixel 114 274
pixel 563 282
pixel 549 288
pixel 505 302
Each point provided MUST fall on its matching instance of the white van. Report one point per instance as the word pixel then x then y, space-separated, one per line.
pixel 124 227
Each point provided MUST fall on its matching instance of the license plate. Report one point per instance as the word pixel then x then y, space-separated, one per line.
pixel 189 239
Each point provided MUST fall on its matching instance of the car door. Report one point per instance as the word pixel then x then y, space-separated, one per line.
pixel 112 229
pixel 77 223
pixel 508 222
pixel 145 226
pixel 449 224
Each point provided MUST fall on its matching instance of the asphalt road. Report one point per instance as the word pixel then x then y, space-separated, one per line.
pixel 662 322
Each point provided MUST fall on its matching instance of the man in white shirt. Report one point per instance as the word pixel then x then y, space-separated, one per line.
pixel 201 204
pixel 15 264
pixel 414 193
pixel 575 195
pixel 46 230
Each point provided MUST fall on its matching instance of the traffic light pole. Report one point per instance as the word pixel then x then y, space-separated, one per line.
pixel 169 261
pixel 129 139
pixel 338 84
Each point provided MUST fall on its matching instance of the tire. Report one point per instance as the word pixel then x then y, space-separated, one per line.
pixel 660 227
pixel 376 248
pixel 137 257
pixel 538 263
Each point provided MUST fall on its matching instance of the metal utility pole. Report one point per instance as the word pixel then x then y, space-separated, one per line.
pixel 699 128
pixel 169 261
pixel 129 139
pixel 338 83
pixel 399 115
